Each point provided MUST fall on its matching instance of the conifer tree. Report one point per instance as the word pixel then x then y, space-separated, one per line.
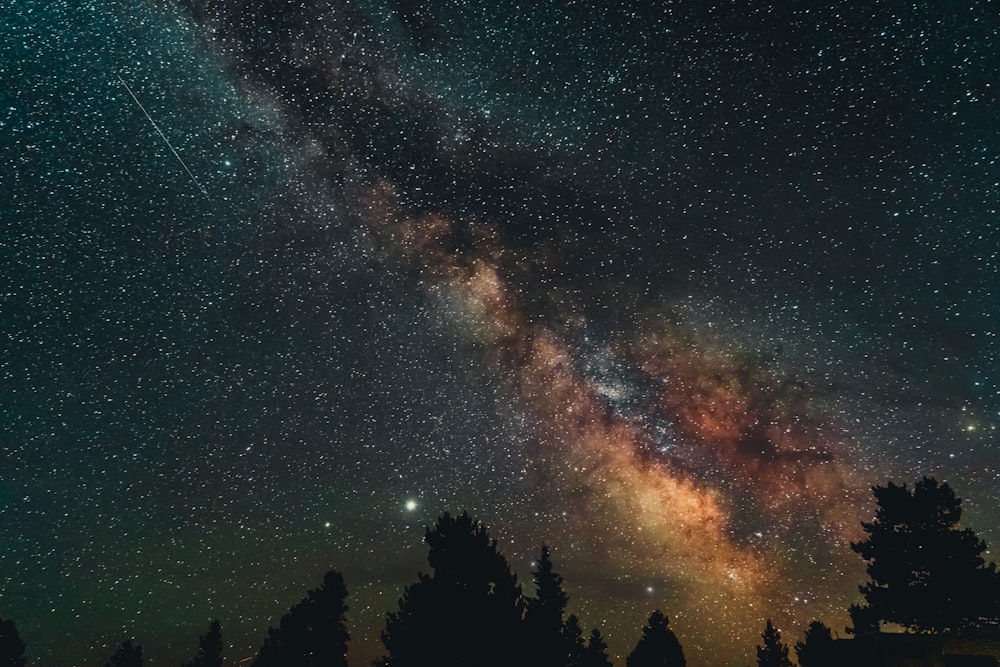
pixel 816 650
pixel 11 646
pixel 468 612
pixel 927 574
pixel 209 648
pixel 658 646
pixel 574 649
pixel 544 615
pixel 127 655
pixel 773 653
pixel 313 633
pixel 596 654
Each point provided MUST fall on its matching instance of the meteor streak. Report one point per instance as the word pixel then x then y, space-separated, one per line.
pixel 164 137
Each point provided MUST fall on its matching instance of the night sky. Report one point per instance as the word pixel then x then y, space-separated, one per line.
pixel 666 285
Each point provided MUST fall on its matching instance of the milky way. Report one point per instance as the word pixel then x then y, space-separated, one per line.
pixel 667 286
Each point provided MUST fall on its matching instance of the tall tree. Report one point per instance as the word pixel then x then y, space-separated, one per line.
pixel 573 646
pixel 127 655
pixel 209 648
pixel 926 573
pixel 816 649
pixel 596 654
pixel 11 646
pixel 773 653
pixel 658 646
pixel 544 615
pixel 313 633
pixel 469 612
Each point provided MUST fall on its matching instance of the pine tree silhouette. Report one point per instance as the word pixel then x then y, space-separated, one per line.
pixel 209 648
pixel 544 615
pixel 313 633
pixel 596 654
pixel 773 653
pixel 658 646
pixel 126 656
pixel 927 574
pixel 11 646
pixel 575 650
pixel 816 650
pixel 469 612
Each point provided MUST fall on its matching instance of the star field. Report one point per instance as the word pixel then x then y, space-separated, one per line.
pixel 667 286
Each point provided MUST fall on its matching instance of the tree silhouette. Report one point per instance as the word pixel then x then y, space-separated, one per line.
pixel 11 646
pixel 658 646
pixel 573 646
pixel 927 574
pixel 543 615
pixel 773 653
pixel 596 654
pixel 469 612
pixel 816 649
pixel 126 656
pixel 209 648
pixel 313 633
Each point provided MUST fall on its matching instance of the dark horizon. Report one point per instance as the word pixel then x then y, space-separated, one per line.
pixel 928 582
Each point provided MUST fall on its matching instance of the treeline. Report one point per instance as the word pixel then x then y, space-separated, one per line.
pixel 926 575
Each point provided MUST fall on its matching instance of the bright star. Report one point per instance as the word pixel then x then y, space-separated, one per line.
pixel 411 505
